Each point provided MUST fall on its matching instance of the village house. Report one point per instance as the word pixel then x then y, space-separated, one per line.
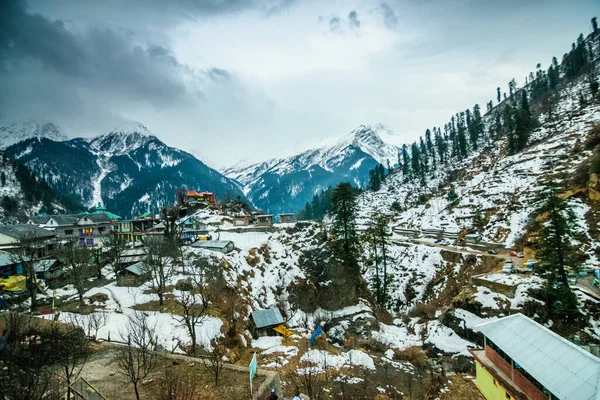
pixel 49 268
pixel 286 218
pixel 240 220
pixel 200 198
pixel 264 220
pixel 524 360
pixel 222 246
pixel 12 235
pixel 268 322
pixel 92 228
pixel 132 256
pixel 192 229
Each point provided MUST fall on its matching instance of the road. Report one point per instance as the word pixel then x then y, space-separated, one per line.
pixel 516 261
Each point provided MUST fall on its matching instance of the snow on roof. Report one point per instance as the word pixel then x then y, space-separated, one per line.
pixel 264 215
pixel 7 259
pixel 212 244
pixel 566 370
pixel 23 231
pixel 269 317
pixel 137 268
pixel 44 265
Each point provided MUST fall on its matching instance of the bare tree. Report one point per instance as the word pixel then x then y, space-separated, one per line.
pixel 310 378
pixel 139 357
pixel 215 361
pixel 193 305
pixel 76 260
pixel 159 264
pixel 115 244
pixel 24 374
pixel 68 348
pixel 27 255
pixel 90 323
pixel 176 384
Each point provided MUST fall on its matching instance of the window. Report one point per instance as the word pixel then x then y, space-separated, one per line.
pixel 89 242
pixel 87 231
pixel 101 229
pixel 68 232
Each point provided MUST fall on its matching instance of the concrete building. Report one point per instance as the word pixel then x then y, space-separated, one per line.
pixel 524 360
pixel 264 220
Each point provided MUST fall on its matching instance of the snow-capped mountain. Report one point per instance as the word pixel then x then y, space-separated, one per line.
pixel 128 169
pixel 12 132
pixel 286 184
pixel 123 139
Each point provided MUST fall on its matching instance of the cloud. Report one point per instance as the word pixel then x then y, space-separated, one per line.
pixel 335 24
pixel 353 21
pixel 389 16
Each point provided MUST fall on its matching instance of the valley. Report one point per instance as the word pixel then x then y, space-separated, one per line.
pixel 463 265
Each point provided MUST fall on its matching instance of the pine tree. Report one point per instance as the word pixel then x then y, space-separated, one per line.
pixel 374 180
pixel 452 136
pixel 461 135
pixel 415 159
pixel 428 142
pixel 381 172
pixel 478 125
pixel 499 97
pixel 555 250
pixel 594 25
pixel 343 203
pixel 405 161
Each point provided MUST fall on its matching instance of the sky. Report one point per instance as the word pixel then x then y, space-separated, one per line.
pixel 232 80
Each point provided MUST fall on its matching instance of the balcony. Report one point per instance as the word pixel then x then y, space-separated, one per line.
pixel 511 378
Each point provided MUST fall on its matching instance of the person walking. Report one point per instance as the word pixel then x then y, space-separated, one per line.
pixel 272 395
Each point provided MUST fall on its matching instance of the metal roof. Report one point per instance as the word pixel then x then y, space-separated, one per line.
pixel 566 370
pixel 8 259
pixel 268 317
pixel 39 219
pixel 137 269
pixel 25 231
pixel 45 265
pixel 212 244
pixel 65 219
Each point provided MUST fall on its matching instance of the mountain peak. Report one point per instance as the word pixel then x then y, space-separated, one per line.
pixel 16 131
pixel 123 139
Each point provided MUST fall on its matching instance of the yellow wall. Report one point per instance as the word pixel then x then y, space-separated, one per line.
pixel 485 384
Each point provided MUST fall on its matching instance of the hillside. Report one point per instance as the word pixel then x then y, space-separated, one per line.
pixel 22 194
pixel 129 170
pixel 286 184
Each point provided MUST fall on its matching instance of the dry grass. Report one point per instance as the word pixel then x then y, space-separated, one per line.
pixel 461 388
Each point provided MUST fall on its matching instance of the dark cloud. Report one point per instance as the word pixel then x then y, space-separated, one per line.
pixel 353 21
pixel 47 69
pixel 389 16
pixel 218 74
pixel 335 24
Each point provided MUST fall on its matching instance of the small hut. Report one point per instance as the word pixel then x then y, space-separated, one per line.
pixel 286 218
pixel 264 220
pixel 267 323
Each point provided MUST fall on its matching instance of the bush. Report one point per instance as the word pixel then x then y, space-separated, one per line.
pixel 396 207
pixel 463 365
pixel 425 310
pixel 414 355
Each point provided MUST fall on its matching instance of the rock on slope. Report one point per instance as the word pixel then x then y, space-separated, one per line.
pixel 286 184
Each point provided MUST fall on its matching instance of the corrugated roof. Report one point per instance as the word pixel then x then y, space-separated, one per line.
pixel 269 317
pixel 565 369
pixel 138 251
pixel 65 219
pixel 39 219
pixel 7 259
pixel 212 244
pixel 24 231
pixel 137 268
pixel 44 265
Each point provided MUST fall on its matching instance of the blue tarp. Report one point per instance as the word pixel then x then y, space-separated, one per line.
pixel 313 338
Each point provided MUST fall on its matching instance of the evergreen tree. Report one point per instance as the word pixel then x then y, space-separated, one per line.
pixel 428 142
pixel 308 211
pixel 489 106
pixel 478 125
pixel 415 159
pixel 405 161
pixel 452 136
pixel 554 250
pixel 498 93
pixel 3 178
pixel 512 86
pixel 594 25
pixel 381 172
pixel 343 203
pixel 461 135
pixel 374 181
